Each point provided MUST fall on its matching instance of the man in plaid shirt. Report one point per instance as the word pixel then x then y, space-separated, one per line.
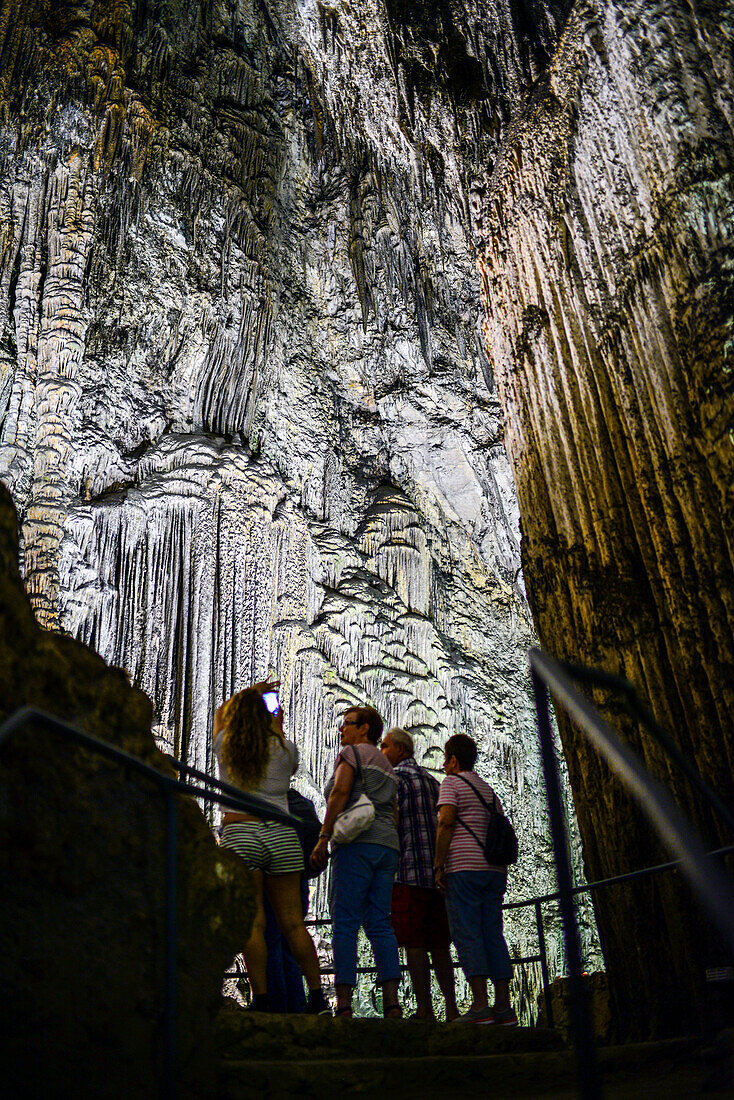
pixel 418 909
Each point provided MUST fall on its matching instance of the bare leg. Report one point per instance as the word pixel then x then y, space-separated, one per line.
pixel 284 894
pixel 344 999
pixel 255 951
pixel 420 976
pixel 444 968
pixel 478 986
pixel 390 997
pixel 501 994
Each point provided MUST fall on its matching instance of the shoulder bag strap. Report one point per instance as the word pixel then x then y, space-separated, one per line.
pixel 358 761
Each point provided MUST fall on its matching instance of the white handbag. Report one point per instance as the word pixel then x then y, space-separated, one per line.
pixel 358 817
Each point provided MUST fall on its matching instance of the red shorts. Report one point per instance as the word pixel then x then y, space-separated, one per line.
pixel 419 917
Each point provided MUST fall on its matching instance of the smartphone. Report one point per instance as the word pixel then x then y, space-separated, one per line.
pixel 271 701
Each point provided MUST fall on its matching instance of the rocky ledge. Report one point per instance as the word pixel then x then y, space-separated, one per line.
pixel 82 874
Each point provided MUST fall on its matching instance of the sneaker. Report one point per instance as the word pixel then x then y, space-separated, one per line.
pixel 475 1016
pixel 505 1017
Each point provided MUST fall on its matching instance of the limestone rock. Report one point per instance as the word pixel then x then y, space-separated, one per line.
pixel 246 412
pixel 606 255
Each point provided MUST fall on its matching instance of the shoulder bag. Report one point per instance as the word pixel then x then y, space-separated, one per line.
pixel 357 817
pixel 500 845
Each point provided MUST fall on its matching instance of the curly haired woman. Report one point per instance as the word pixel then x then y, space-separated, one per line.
pixel 254 755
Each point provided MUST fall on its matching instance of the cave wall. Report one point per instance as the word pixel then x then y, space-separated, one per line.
pixel 246 410
pixel 606 259
pixel 251 421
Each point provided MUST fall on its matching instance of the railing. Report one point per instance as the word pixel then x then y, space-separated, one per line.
pixel 168 787
pixel 714 889
pixel 537 903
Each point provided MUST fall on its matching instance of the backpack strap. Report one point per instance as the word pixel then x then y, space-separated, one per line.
pixel 492 810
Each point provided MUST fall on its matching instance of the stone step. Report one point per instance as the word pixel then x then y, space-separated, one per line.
pixel 264 1036
pixel 655 1071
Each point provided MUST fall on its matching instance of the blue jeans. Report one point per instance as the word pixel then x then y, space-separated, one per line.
pixel 283 975
pixel 361 887
pixel 474 905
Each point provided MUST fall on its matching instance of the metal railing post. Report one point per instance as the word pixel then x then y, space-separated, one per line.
pixel 580 1016
pixel 543 964
pixel 171 922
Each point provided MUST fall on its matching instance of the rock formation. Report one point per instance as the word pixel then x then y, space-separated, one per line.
pixel 250 419
pixel 247 415
pixel 82 876
pixel 606 258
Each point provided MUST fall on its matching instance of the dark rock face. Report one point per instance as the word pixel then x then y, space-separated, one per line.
pixel 82 880
pixel 606 259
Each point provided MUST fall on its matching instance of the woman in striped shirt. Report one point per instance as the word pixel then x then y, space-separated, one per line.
pixel 474 888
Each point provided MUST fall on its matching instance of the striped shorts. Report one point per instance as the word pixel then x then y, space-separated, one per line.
pixel 265 845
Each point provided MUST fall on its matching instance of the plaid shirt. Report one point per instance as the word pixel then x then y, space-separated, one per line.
pixel 417 818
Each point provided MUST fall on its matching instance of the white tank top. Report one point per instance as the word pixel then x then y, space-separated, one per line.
pixel 274 785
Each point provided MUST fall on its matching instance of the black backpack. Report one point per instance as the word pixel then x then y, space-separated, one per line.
pixel 308 832
pixel 500 845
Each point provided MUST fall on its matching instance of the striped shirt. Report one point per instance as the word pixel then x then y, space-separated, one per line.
pixel 465 854
pixel 417 818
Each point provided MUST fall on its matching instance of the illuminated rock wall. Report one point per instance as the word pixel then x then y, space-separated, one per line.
pixel 247 414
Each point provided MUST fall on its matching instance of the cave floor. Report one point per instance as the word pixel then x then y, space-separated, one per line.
pixel 314 1058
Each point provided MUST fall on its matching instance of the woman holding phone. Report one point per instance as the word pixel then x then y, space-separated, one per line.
pixel 254 755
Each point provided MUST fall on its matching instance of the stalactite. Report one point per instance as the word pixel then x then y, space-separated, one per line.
pixel 253 370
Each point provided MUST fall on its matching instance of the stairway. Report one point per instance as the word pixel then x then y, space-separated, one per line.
pixel 272 1057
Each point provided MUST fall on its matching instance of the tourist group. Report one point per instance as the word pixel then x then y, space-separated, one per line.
pixel 408 864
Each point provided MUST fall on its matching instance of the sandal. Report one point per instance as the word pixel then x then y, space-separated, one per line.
pixel 392 1012
pixel 345 1010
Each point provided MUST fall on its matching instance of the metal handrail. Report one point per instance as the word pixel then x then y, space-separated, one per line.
pixel 168 787
pixel 541 667
pixel 714 889
pixel 250 803
pixel 542 899
pixel 614 880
